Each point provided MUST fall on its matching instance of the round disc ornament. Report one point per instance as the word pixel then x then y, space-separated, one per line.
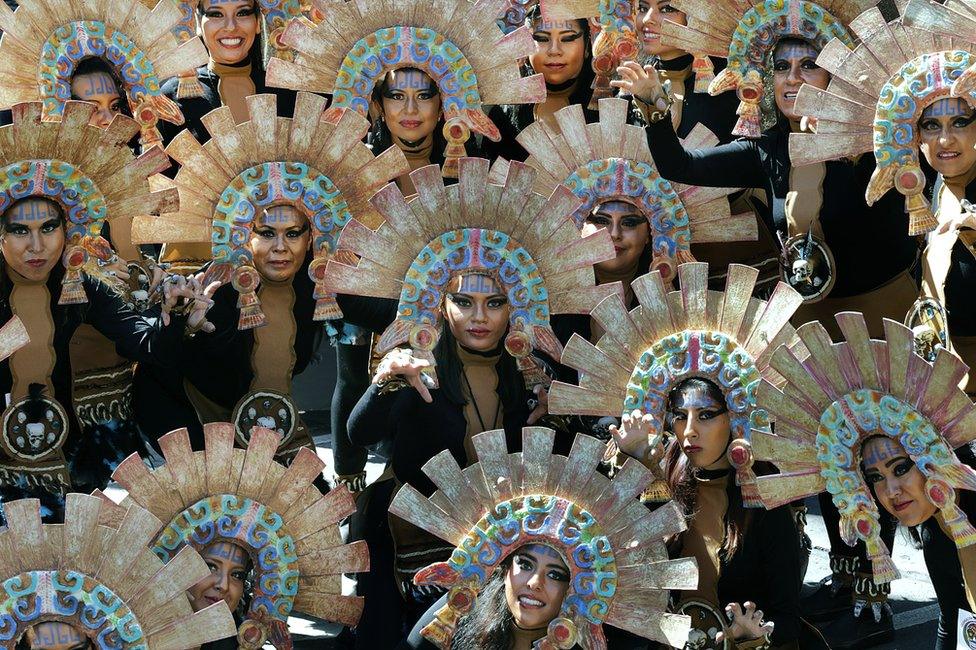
pixel 808 266
pixel 706 623
pixel 34 429
pixel 268 409
pixel 929 323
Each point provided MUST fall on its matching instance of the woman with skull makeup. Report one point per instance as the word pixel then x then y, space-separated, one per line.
pixel 687 412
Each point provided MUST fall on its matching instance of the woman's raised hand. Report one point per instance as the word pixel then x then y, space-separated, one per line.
pixel 633 434
pixel 401 362
pixel 641 82
pixel 746 623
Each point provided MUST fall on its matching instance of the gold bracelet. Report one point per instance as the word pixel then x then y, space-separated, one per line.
pixel 651 111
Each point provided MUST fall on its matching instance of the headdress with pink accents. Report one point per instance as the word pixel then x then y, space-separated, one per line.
pixel 525 241
pixel 611 544
pixel 725 337
pixel 844 393
pixel 746 33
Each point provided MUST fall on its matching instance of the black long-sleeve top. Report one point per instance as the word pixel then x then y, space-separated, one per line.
pixel 511 120
pixel 194 108
pixel 416 431
pixel 960 282
pixel 870 243
pixel 766 570
pixel 716 112
pixel 136 337
pixel 218 364
pixel 942 562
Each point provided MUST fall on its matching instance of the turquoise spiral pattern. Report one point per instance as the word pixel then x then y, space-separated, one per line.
pixel 253 527
pixel 87 605
pixel 691 353
pixel 553 521
pixel 84 205
pixel 459 250
pixel 762 26
pixel 638 183
pixel 399 47
pixel 902 99
pixel 276 183
pixel 74 41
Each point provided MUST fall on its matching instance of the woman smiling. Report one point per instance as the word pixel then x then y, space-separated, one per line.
pixel 551 572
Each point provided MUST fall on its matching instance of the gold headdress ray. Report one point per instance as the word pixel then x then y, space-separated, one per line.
pixel 319 166
pixel 44 40
pixel 725 337
pixel 606 536
pixel 843 393
pixel 276 514
pixel 124 595
pixel 610 159
pixel 876 95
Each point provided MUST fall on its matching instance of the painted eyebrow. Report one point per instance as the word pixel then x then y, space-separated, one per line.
pixel 895 460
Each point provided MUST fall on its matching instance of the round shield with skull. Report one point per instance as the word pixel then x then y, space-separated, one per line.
pixel 808 266
pixel 266 409
pixel 34 428
pixel 706 623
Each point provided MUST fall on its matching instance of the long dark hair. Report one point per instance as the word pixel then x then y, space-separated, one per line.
pixel 581 94
pixel 681 476
pixel 489 623
pixel 511 385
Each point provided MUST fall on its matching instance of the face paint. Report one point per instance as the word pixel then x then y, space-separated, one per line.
pixel 896 481
pixel 279 242
pixel 560 50
pixel 55 635
pixel 33 237
pixel 794 64
pixel 477 311
pixel 557 25
pixel 228 564
pixel 544 551
pixel 411 105
pixel 34 211
pixel 629 231
pixel 477 283
pixel 881 451
pixel 410 79
pixel 948 107
pixel 947 136
pixel 698 398
pixel 535 585
pixel 701 425
pixel 230 552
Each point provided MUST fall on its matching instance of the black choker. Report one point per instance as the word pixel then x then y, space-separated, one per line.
pixel 555 88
